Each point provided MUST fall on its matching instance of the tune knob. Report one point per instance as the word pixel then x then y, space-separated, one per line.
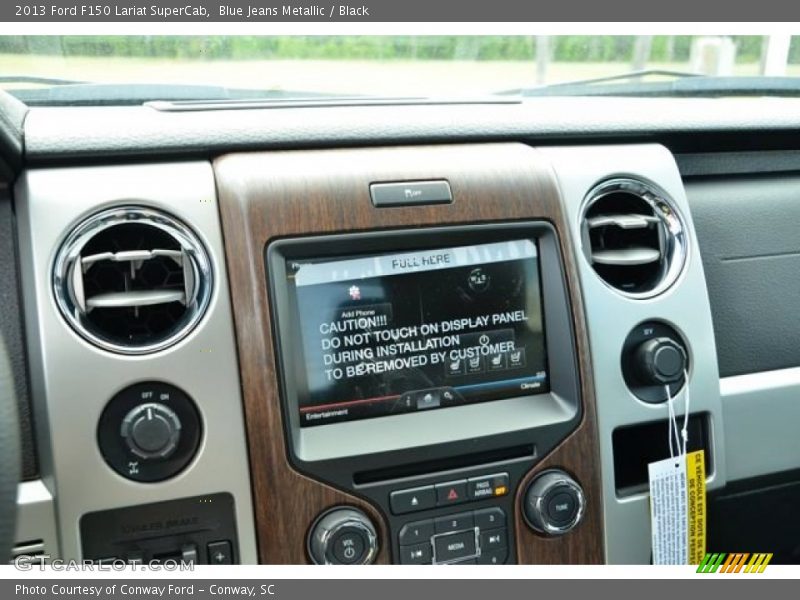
pixel 660 361
pixel 554 503
pixel 343 536
pixel 151 430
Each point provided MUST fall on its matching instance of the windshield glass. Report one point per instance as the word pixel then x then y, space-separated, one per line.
pixel 132 69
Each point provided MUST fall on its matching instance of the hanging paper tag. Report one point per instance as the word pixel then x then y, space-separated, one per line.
pixel 696 505
pixel 678 509
pixel 668 511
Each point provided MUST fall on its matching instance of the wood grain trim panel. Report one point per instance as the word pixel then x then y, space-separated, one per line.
pixel 264 196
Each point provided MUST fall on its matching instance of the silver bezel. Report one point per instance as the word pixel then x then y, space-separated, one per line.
pixel 351 521
pixel 70 251
pixel 676 243
pixel 561 481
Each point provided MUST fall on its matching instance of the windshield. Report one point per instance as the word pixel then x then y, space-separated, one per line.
pixel 134 69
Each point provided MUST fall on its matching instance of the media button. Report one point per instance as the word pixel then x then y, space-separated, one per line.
pixel 452 492
pixel 406 501
pixel 454 546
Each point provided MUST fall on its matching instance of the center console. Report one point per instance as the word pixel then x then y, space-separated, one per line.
pixel 426 370
pixel 412 369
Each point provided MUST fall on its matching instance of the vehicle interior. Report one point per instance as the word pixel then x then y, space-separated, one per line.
pixel 242 326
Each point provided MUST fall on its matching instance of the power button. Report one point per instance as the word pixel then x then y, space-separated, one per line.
pixel 348 546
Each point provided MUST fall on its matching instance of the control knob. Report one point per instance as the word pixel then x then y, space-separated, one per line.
pixel 554 503
pixel 151 430
pixel 343 536
pixel 660 361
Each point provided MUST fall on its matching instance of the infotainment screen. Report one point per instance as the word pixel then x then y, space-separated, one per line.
pixel 394 333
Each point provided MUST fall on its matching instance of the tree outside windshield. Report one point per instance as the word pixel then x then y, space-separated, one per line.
pixel 384 65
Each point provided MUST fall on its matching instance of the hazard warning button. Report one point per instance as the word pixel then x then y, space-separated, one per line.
pixel 451 492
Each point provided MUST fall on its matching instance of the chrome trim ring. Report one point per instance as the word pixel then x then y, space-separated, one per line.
pixel 69 254
pixel 676 248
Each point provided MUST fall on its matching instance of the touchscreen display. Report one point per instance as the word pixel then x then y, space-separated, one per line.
pixel 416 331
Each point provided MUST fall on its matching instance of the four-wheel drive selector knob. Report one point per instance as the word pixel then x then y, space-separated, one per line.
pixel 660 360
pixel 554 503
pixel 343 536
pixel 151 430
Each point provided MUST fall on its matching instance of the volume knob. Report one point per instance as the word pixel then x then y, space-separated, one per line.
pixel 343 536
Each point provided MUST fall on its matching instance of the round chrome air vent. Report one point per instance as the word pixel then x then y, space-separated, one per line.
pixel 633 236
pixel 132 280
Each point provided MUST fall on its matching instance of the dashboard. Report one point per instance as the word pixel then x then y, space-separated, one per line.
pixel 409 334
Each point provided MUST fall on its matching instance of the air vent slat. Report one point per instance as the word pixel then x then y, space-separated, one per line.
pixel 135 298
pixel 132 280
pixel 34 549
pixel 633 237
pixel 137 256
pixel 622 221
pixel 626 256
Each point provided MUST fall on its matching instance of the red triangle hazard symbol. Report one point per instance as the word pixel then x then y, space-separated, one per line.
pixel 452 494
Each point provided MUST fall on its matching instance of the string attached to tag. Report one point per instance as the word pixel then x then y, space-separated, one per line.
pixel 678 440
pixel 678 494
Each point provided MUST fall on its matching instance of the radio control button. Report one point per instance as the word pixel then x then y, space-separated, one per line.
pixel 493 539
pixel 554 503
pixel 455 546
pixel 416 532
pixel 495 557
pixel 418 554
pixel 452 492
pixel 561 506
pixel 488 486
pixel 348 546
pixel 457 522
pixel 343 536
pixel 490 518
pixel 415 499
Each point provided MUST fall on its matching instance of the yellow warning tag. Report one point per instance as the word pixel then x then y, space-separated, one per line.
pixel 696 505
